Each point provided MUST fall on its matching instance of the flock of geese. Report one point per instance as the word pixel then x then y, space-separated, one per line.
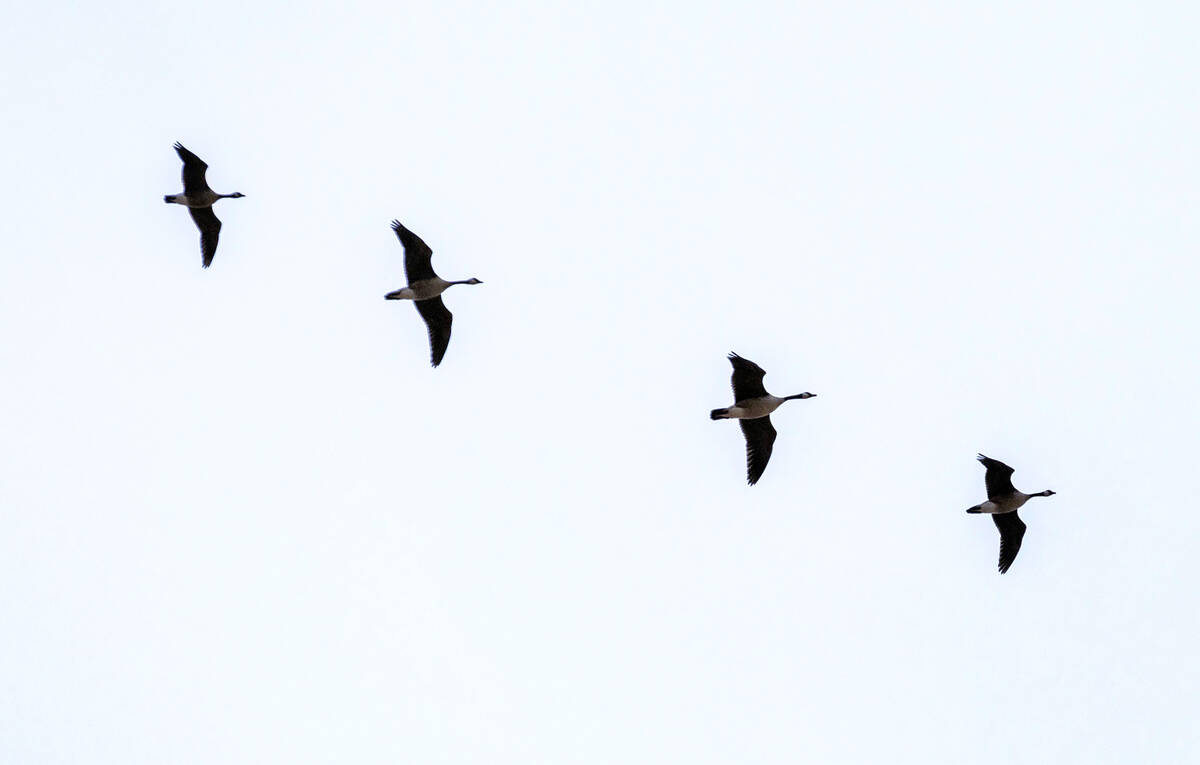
pixel 752 405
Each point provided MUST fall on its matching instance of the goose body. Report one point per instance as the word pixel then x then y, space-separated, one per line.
pixel 1009 504
pixel 752 409
pixel 425 289
pixel 1002 504
pixel 199 199
pixel 202 198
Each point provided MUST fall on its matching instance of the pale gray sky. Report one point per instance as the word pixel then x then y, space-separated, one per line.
pixel 244 521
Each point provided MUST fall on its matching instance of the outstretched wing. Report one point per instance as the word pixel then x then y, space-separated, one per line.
pixel 1012 531
pixel 193 170
pixel 438 318
pixel 760 440
pixel 998 478
pixel 418 258
pixel 747 379
pixel 210 230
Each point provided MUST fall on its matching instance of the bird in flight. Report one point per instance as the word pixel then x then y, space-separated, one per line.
pixel 1002 504
pixel 752 409
pixel 425 289
pixel 199 200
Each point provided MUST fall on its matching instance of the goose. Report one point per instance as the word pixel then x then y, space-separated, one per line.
pixel 752 408
pixel 199 199
pixel 1002 504
pixel 425 289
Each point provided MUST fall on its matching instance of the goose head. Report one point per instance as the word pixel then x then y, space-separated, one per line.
pixel 801 395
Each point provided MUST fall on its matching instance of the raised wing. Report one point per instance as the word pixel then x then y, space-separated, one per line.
pixel 747 379
pixel 760 441
pixel 438 318
pixel 418 257
pixel 998 478
pixel 210 230
pixel 193 170
pixel 1012 531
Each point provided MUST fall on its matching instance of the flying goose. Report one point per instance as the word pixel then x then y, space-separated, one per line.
pixel 199 199
pixel 1002 504
pixel 425 289
pixel 752 408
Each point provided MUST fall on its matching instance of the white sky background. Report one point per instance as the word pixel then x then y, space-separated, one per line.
pixel 245 521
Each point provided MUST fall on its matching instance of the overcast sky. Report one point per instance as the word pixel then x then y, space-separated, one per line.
pixel 243 520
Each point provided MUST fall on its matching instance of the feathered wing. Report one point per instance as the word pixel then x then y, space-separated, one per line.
pixel 193 170
pixel 418 258
pixel 438 318
pixel 1012 531
pixel 210 231
pixel 747 378
pixel 760 441
pixel 998 478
